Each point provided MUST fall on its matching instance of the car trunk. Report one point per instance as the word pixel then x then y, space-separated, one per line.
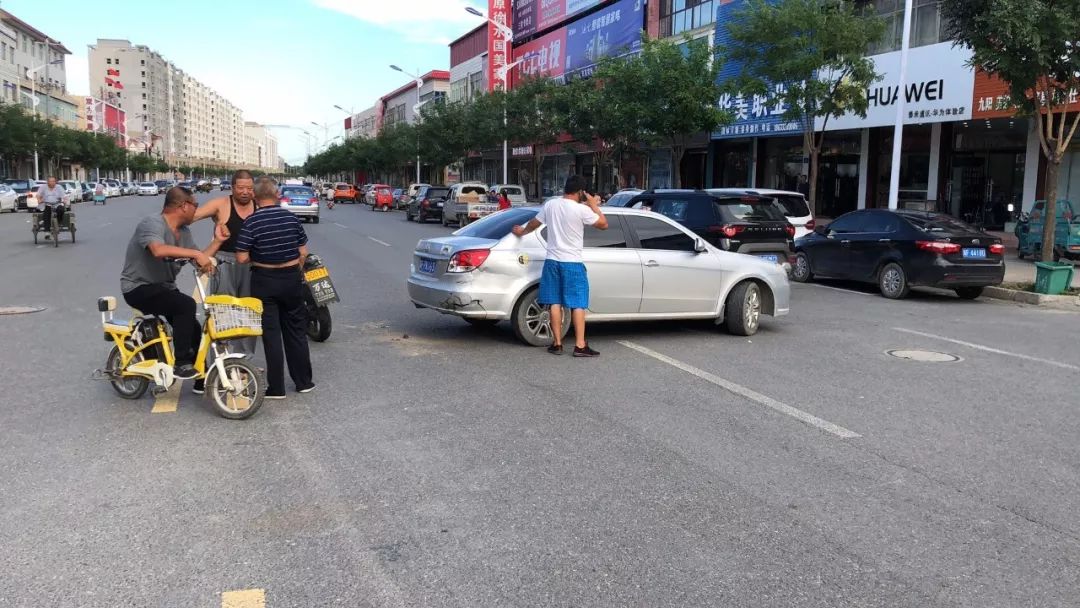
pixel 974 247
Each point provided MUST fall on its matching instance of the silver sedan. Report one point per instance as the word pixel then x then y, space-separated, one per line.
pixel 645 267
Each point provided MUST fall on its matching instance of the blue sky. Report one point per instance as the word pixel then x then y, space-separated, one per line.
pixel 281 61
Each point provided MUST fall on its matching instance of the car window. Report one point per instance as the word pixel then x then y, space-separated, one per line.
pixel 657 234
pixel 936 222
pixel 613 237
pixel 434 193
pixel 851 222
pixel 676 209
pixel 881 222
pixel 473 189
pixel 498 225
pixel 297 192
pixel 750 209
pixel 513 191
pixel 794 206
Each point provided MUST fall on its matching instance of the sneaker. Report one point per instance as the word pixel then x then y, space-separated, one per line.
pixel 555 349
pixel 200 386
pixel 269 396
pixel 185 372
pixel 306 390
pixel 585 352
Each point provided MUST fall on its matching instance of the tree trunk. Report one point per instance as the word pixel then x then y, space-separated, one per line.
pixel 812 179
pixel 1053 165
pixel 677 153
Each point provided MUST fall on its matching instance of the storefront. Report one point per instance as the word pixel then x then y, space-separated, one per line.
pixel 553 174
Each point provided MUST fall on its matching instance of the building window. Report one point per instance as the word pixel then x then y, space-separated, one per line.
pixel 476 85
pixel 108 61
pixel 927 26
pixel 678 16
pixel 142 62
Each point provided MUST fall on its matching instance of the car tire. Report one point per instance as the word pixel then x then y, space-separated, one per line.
pixel 892 282
pixel 531 321
pixel 742 311
pixel 408 216
pixel 968 293
pixel 315 220
pixel 800 270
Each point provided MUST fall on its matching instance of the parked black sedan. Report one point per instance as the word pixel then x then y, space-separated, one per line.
pixel 902 249
pixel 427 204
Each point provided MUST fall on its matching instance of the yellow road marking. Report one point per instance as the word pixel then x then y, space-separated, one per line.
pixel 244 598
pixel 166 402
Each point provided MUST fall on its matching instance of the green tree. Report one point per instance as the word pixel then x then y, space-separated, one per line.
pixel 533 119
pixel 1032 46
pixel 808 56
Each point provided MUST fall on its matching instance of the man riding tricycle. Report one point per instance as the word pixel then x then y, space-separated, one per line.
pixel 53 214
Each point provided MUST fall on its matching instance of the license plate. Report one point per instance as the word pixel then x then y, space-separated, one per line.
pixel 427 266
pixel 439 204
pixel 315 275
pixel 775 259
pixel 974 252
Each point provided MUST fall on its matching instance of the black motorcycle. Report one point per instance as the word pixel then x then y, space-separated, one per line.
pixel 319 295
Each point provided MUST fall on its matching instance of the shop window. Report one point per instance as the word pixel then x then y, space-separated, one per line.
pixel 678 16
pixel 927 25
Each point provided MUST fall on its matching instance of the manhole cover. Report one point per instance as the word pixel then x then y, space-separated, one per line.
pixel 924 356
pixel 19 310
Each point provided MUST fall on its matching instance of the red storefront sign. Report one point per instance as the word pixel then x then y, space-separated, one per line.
pixel 498 46
pixel 991 98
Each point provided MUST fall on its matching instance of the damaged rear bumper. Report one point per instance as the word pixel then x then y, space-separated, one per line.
pixel 458 302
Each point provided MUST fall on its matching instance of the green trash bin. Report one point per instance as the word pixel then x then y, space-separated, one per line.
pixel 1053 278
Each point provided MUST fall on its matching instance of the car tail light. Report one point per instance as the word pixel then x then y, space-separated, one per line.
pixel 314 200
pixel 468 260
pixel 426 204
pixel 997 249
pixel 938 247
pixel 285 199
pixel 810 225
pixel 727 230
pixel 789 229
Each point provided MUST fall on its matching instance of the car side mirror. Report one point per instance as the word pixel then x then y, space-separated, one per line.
pixel 699 246
pixel 822 230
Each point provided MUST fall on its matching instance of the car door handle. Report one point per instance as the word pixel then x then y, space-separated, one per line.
pixel 845 243
pixel 884 240
pixel 652 264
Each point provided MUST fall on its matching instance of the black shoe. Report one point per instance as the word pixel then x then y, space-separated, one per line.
pixel 307 389
pixel 274 396
pixel 200 386
pixel 585 352
pixel 555 349
pixel 185 372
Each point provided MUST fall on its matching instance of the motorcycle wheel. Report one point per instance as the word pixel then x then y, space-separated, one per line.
pixel 128 387
pixel 319 323
pixel 244 402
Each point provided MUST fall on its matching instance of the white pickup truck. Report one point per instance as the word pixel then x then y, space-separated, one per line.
pixel 467 202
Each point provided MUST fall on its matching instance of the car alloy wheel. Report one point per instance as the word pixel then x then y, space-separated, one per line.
pixel 893 282
pixel 801 272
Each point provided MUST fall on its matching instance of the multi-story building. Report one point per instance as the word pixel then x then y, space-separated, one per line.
pixel 260 148
pixel 187 121
pixel 400 105
pixel 32 65
pixel 363 124
pixel 468 65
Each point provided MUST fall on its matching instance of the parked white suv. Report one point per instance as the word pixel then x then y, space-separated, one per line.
pixel 794 204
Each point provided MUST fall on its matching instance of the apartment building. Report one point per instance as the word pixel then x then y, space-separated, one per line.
pixel 32 65
pixel 186 120
pixel 260 148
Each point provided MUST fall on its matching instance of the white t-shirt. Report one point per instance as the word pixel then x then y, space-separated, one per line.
pixel 566 220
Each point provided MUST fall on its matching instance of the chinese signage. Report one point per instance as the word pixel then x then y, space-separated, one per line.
pixel 991 98
pixel 103 117
pixel 498 46
pixel 575 50
pixel 522 151
pixel 531 16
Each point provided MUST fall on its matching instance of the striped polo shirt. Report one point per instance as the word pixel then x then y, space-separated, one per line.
pixel 272 235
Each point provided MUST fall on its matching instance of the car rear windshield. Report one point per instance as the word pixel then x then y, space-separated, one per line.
pixel 794 206
pixel 341 187
pixel 750 209
pixel 938 223
pixel 512 191
pixel 498 225
pixel 433 193
pixel 473 189
pixel 18 184
pixel 149 185
pixel 298 192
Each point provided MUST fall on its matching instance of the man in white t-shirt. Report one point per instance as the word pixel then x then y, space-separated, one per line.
pixel 564 282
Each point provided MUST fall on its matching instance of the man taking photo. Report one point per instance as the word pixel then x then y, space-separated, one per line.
pixel 148 280
pixel 565 282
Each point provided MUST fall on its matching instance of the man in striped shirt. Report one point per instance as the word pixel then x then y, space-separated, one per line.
pixel 274 243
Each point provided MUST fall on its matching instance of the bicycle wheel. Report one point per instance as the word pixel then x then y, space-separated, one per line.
pixel 248 393
pixel 128 387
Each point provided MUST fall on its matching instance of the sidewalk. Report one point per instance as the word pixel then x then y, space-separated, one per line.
pixel 1023 271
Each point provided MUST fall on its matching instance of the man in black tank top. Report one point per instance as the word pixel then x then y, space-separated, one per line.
pixel 229 213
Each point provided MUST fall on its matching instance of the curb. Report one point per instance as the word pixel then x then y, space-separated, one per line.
pixel 1035 299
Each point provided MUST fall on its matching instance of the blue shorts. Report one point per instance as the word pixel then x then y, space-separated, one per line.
pixel 564 284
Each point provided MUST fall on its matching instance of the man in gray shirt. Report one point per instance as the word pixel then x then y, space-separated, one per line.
pixel 148 280
pixel 51 202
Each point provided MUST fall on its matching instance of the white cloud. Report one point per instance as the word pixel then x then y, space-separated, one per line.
pixel 77 70
pixel 420 21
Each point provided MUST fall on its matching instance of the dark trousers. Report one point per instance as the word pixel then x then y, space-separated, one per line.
pixel 47 215
pixel 284 320
pixel 177 308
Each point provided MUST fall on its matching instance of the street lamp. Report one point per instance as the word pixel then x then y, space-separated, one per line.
pixel 502 72
pixel 419 85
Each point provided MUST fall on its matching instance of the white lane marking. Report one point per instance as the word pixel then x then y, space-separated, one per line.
pixel 383 243
pixel 858 293
pixel 742 391
pixel 340 225
pixel 990 349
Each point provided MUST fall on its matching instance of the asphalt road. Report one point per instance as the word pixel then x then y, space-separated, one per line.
pixel 441 465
